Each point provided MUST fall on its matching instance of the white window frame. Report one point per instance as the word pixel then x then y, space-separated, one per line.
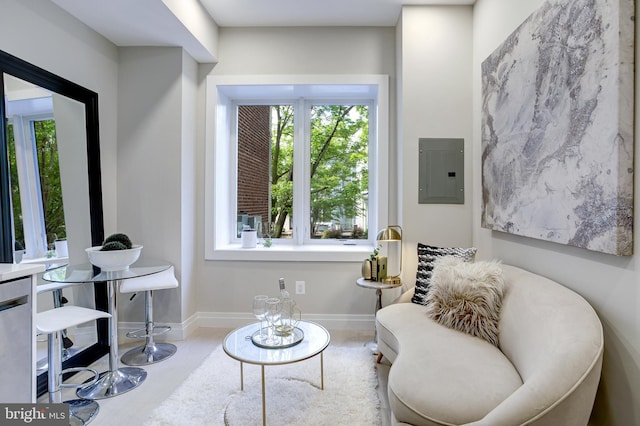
pixel 35 233
pixel 220 167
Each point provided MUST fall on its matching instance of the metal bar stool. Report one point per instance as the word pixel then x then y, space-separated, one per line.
pixel 52 322
pixel 67 344
pixel 151 352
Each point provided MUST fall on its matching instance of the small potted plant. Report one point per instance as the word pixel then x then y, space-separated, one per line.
pixel 115 254
pixel 370 267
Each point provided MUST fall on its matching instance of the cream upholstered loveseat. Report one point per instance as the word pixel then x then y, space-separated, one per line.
pixel 545 371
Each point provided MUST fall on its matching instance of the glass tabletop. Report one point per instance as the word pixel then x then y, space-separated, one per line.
pixel 238 345
pixel 87 273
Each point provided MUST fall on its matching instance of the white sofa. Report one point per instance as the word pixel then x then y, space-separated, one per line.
pixel 545 372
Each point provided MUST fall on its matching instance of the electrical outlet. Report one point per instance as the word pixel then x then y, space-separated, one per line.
pixel 300 287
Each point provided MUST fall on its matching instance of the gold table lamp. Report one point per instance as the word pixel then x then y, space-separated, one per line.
pixel 392 233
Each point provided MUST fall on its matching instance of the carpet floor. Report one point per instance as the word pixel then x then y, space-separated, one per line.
pixel 211 395
pixel 164 378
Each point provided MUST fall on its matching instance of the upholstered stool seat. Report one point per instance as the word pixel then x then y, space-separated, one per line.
pixel 151 352
pixel 52 322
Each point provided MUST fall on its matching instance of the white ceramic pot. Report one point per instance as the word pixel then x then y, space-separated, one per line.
pixel 113 260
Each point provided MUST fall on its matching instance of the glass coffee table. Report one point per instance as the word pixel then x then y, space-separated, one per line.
pixel 239 346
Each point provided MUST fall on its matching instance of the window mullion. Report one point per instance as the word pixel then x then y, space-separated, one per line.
pixel 300 172
pixel 233 174
pixel 375 186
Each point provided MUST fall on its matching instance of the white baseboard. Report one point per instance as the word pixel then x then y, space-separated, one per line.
pixel 179 331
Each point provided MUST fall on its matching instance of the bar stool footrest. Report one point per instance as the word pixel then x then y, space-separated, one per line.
pixel 88 382
pixel 142 333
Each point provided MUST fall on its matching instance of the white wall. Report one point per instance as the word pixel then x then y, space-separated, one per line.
pixel 332 297
pixel 435 103
pixel 189 187
pixel 611 284
pixel 156 138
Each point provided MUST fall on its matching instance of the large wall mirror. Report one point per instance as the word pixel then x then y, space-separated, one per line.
pixel 51 197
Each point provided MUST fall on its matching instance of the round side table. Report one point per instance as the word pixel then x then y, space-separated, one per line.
pixel 378 287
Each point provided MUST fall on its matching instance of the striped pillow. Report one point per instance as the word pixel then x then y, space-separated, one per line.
pixel 427 255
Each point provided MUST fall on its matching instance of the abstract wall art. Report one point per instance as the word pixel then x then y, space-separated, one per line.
pixel 557 127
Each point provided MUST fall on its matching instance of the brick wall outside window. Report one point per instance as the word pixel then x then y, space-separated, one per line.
pixel 254 146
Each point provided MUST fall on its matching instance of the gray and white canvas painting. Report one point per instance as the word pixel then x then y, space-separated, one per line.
pixel 557 127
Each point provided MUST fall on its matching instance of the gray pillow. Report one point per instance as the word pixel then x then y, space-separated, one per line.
pixel 427 255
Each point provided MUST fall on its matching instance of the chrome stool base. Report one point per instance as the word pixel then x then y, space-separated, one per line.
pixel 151 352
pixel 148 354
pixel 82 411
pixel 112 383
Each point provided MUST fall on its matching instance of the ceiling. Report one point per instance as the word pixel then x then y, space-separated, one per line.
pixel 284 13
pixel 154 22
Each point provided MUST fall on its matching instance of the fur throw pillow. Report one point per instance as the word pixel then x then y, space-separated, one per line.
pixel 467 296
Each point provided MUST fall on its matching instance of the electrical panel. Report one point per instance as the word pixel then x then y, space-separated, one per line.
pixel 440 171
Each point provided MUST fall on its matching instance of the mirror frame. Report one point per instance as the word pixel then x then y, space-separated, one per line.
pixel 16 67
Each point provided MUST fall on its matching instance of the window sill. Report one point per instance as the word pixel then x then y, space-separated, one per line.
pixel 291 253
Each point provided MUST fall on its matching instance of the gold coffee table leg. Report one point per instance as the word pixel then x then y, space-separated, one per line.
pixel 241 376
pixel 264 410
pixel 322 370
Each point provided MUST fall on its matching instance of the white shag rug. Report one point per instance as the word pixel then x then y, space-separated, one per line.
pixel 211 395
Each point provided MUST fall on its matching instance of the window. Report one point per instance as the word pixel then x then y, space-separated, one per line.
pixel 337 142
pixel 299 162
pixel 38 216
